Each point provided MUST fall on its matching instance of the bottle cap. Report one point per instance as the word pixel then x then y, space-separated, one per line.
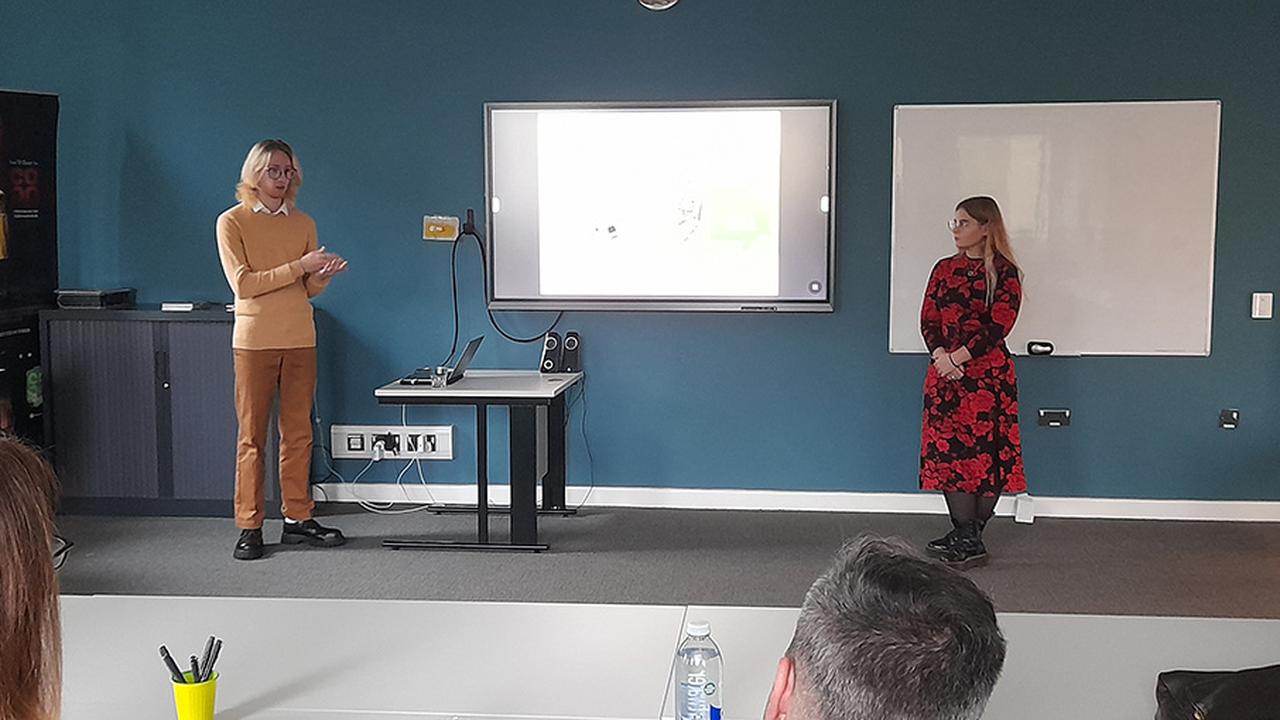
pixel 698 628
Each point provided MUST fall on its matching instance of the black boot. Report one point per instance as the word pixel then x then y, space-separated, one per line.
pixel 968 550
pixel 249 546
pixel 311 533
pixel 939 547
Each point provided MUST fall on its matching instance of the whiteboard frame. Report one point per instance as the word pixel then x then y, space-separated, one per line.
pixel 1213 241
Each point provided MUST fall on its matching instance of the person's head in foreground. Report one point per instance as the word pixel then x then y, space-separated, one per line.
pixel 30 645
pixel 885 634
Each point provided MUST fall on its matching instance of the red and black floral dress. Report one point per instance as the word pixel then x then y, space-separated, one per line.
pixel 970 441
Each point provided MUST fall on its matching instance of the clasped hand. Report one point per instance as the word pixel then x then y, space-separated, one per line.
pixel 322 264
pixel 945 366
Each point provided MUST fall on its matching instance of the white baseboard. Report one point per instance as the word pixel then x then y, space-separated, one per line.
pixel 814 501
pixel 1146 509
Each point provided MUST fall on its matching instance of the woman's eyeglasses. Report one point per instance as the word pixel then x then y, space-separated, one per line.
pixel 61 548
pixel 276 173
pixel 956 224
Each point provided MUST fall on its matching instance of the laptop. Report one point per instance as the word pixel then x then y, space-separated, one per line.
pixel 427 376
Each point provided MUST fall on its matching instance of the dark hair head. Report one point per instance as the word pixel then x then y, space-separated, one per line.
pixel 889 635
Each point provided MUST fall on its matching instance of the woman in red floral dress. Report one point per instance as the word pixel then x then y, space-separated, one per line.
pixel 970 447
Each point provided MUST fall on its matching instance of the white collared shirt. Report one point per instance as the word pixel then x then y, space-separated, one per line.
pixel 284 208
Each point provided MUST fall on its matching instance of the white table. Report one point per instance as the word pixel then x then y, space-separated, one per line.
pixel 286 659
pixel 487 385
pixel 353 659
pixel 525 393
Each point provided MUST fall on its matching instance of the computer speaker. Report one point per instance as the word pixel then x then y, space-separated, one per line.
pixel 552 354
pixel 572 353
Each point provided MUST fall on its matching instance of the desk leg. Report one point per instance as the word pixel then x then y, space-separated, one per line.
pixel 524 474
pixel 482 473
pixel 524 509
pixel 553 486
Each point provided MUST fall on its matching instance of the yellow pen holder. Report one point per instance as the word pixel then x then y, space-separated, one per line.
pixel 194 701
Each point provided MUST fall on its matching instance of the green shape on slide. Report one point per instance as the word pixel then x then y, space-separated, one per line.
pixel 736 217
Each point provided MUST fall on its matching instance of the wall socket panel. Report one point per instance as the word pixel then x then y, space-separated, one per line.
pixel 400 442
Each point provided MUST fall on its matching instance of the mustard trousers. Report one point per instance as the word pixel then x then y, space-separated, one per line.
pixel 261 376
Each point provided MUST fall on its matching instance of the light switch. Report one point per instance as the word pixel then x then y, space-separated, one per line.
pixel 1262 306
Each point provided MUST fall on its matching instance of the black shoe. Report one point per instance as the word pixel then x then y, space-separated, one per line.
pixel 940 546
pixel 311 533
pixel 249 546
pixel 968 550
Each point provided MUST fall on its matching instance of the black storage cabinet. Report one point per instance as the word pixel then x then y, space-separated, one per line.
pixel 141 411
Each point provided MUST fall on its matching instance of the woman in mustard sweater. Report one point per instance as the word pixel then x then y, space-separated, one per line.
pixel 270 257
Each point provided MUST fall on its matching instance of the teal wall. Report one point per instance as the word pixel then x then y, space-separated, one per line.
pixel 383 101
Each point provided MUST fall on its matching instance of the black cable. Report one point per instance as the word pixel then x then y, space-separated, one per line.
pixel 453 281
pixel 475 234
pixel 591 462
pixel 568 413
pixel 568 418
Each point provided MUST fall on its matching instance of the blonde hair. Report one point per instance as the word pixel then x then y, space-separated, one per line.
pixel 985 210
pixel 30 630
pixel 256 161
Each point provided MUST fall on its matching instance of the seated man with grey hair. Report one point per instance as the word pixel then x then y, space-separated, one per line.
pixel 885 634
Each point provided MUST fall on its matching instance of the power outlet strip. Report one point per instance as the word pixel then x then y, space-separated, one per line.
pixel 398 442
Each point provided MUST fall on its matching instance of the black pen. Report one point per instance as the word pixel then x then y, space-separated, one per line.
pixel 208 668
pixel 173 666
pixel 195 669
pixel 204 657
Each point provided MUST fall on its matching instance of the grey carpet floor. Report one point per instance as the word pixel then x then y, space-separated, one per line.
pixel 643 556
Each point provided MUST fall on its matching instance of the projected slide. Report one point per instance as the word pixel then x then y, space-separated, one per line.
pixel 659 203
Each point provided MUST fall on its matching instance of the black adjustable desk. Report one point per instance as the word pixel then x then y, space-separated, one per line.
pixel 523 392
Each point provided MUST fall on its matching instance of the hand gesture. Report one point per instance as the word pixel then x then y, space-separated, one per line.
pixel 945 366
pixel 314 260
pixel 334 266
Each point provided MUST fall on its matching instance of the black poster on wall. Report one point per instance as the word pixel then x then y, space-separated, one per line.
pixel 28 198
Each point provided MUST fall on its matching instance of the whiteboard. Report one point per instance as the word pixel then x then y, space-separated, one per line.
pixel 1111 209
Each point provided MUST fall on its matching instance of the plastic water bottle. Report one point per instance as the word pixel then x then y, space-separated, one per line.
pixel 698 673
